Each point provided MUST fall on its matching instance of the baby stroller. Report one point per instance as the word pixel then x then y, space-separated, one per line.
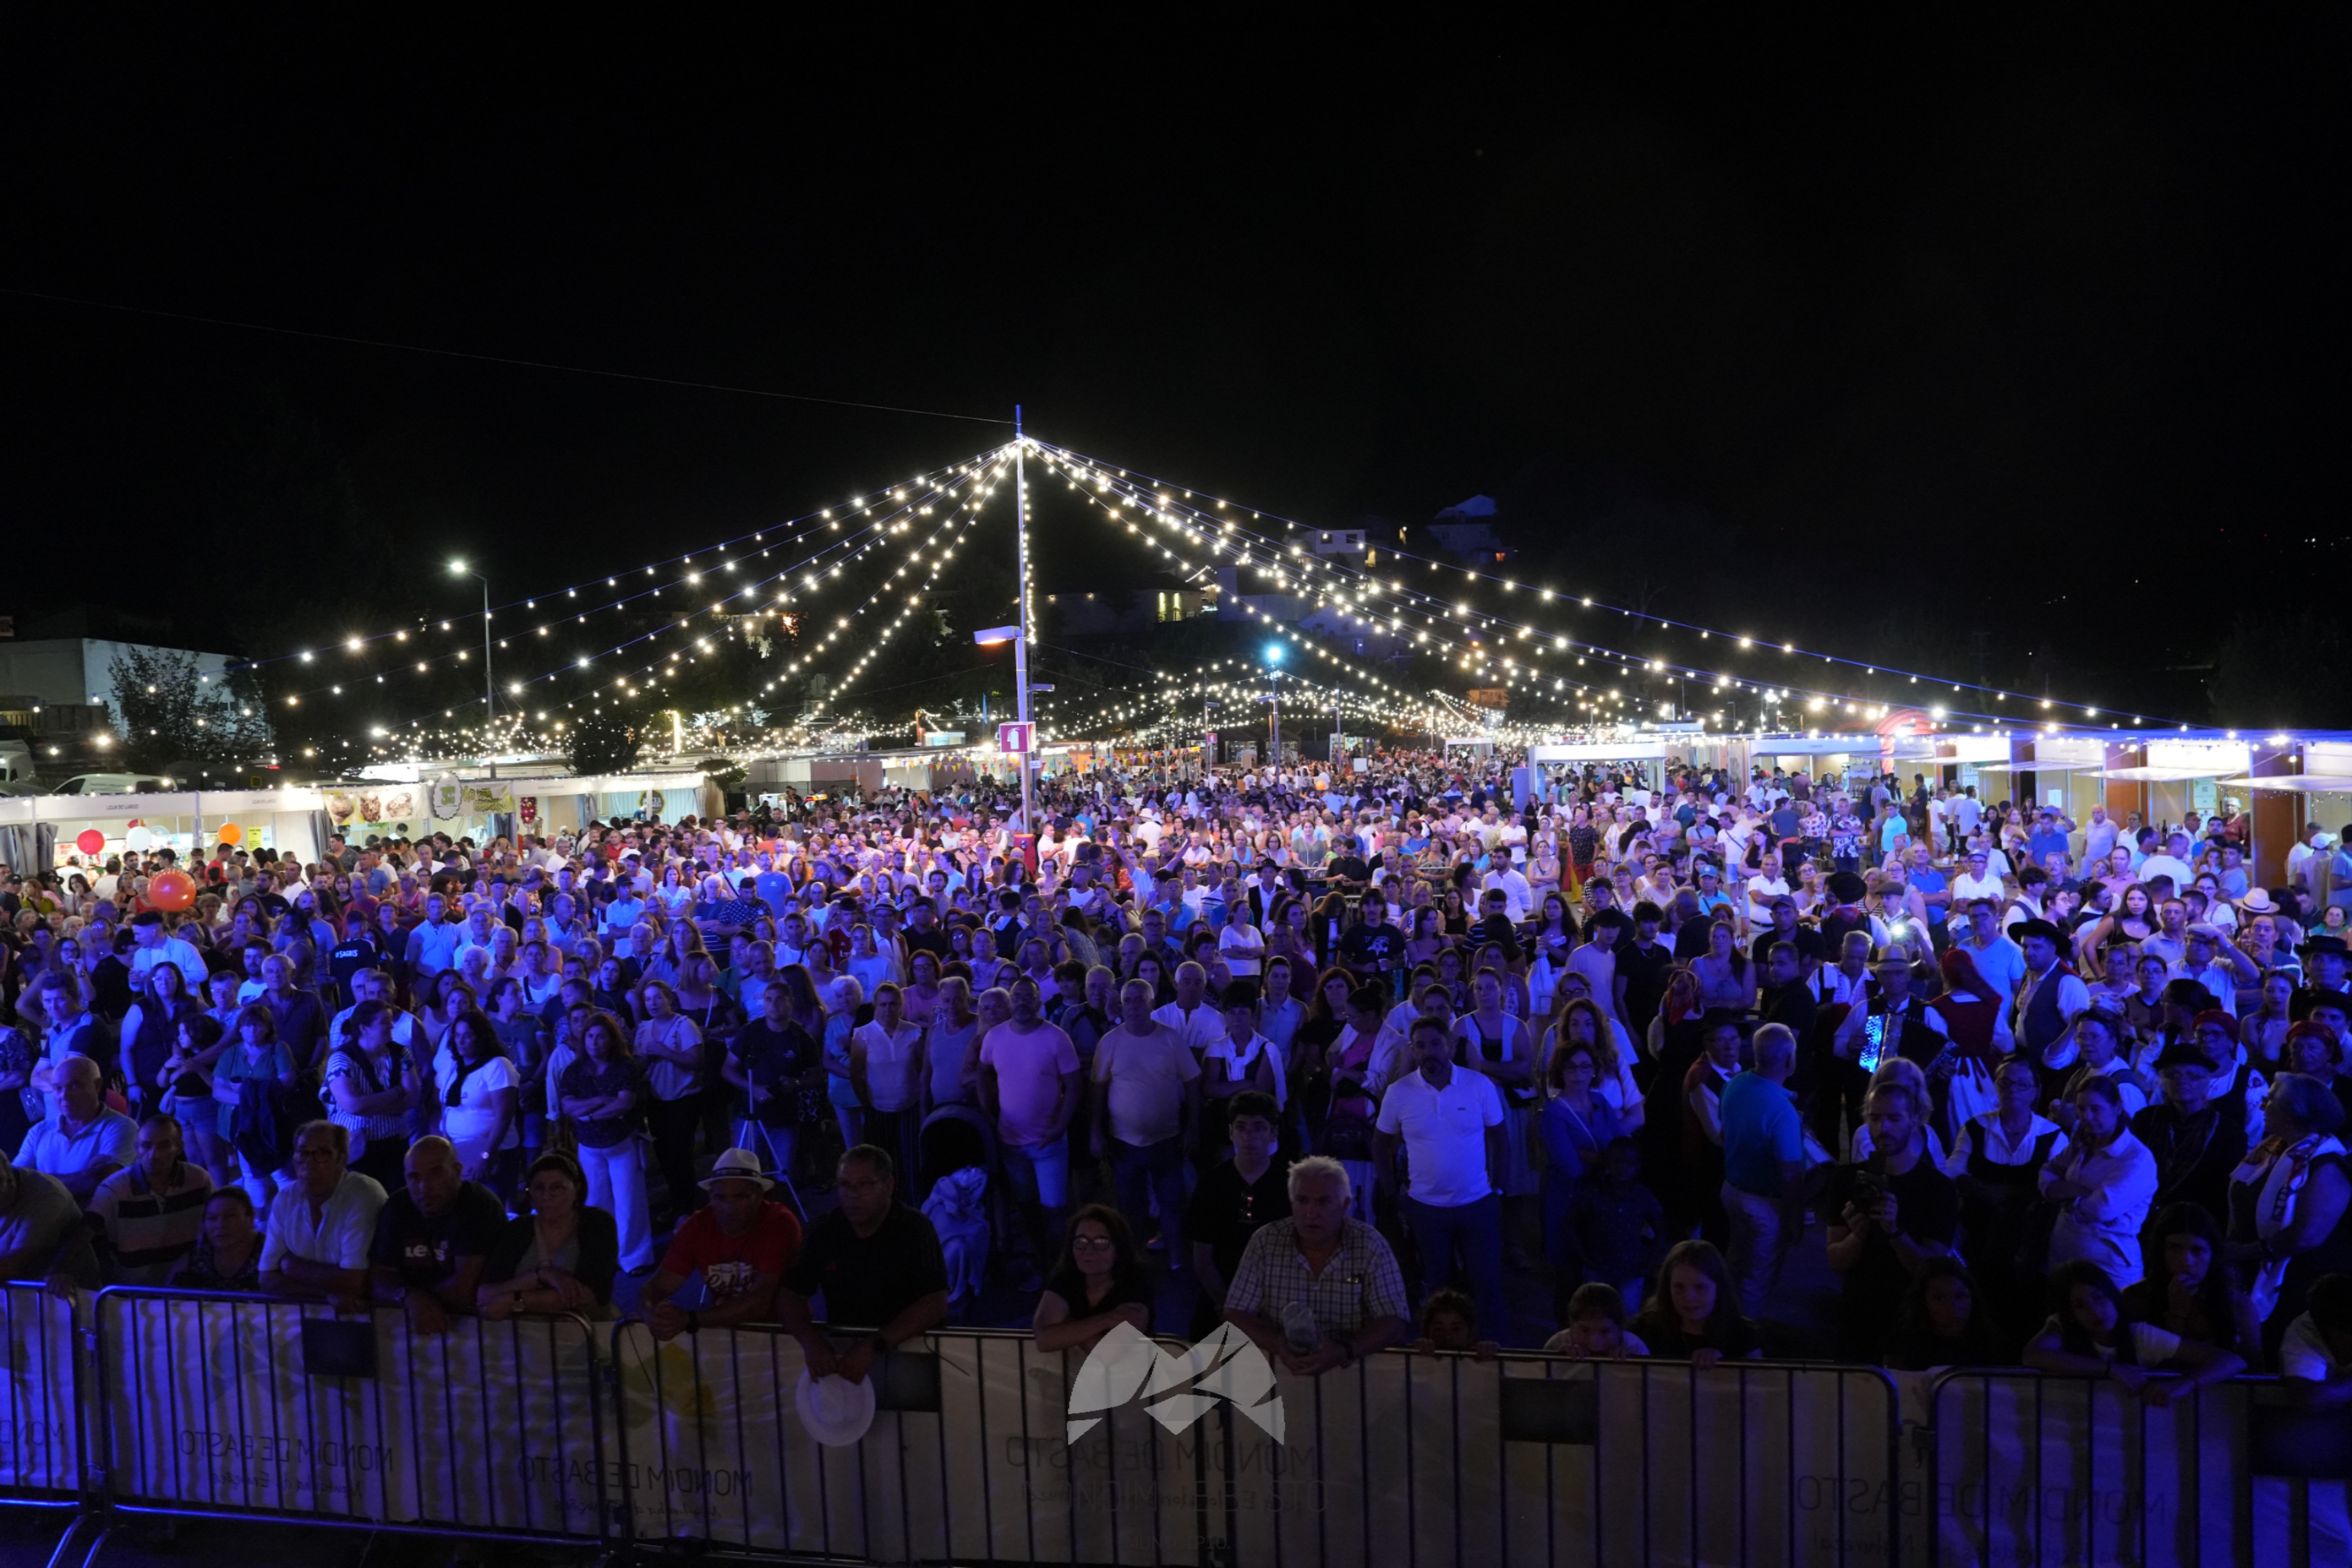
pixel 958 1148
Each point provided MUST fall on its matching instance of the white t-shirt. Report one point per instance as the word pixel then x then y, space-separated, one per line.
pixel 470 1120
pixel 1199 1029
pixel 1444 1135
pixel 2303 1352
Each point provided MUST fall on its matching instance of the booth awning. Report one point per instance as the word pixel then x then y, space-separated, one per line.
pixel 2299 784
pixel 2157 775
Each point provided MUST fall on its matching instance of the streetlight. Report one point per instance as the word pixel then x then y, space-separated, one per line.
pixel 490 688
pixel 1274 741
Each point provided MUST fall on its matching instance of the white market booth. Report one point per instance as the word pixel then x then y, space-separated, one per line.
pixel 43 830
pixel 469 804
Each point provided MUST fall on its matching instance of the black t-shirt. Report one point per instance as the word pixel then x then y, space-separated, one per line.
pixel 774 1057
pixel 868 1280
pixel 426 1248
pixel 1804 939
pixel 933 942
pixel 1132 1289
pixel 1226 1211
pixel 1368 946
pixel 1927 1210
pixel 1644 971
pixel 1350 868
pixel 1663 1332
pixel 349 958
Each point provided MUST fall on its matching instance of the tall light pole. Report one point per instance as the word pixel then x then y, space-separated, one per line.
pixel 1021 586
pixel 489 685
pixel 1274 724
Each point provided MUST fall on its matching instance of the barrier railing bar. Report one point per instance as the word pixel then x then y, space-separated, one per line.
pixel 1789 1411
pixel 1647 1555
pixel 1411 1471
pixel 987 1492
pixel 702 1427
pixel 1691 1496
pixel 1070 1492
pixel 947 1488
pixel 1021 1383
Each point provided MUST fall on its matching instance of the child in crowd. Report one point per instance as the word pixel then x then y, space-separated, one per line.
pixel 1449 1322
pixel 1596 1326
pixel 1614 1221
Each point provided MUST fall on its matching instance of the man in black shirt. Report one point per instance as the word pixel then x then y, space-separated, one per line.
pixel 355 954
pixel 877 1261
pixel 432 1237
pixel 924 934
pixel 2195 1143
pixel 1788 996
pixel 1643 966
pixel 769 1059
pixel 1895 1211
pixel 1232 1200
pixel 1811 952
pixel 1372 947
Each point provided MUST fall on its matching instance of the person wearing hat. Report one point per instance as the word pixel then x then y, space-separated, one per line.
pixel 2048 999
pixel 2194 1144
pixel 2325 961
pixel 728 1257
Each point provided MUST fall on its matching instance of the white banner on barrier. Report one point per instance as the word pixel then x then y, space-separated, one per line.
pixel 1426 1458
pixel 490 1425
pixel 2052 1469
pixel 41 1428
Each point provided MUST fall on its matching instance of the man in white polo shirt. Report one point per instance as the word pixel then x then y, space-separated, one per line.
pixel 322 1225
pixel 1451 1122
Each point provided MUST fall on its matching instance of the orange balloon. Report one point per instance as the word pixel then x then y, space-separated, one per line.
pixel 172 890
pixel 231 833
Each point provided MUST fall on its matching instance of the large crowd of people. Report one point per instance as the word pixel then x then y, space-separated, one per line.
pixel 1352 1056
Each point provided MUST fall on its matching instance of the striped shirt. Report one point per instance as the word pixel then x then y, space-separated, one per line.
pixel 144 1232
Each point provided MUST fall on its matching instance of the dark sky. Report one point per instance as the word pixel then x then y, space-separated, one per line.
pixel 2006 346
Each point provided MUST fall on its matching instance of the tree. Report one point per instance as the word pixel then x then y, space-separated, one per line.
pixel 725 771
pixel 167 710
pixel 603 741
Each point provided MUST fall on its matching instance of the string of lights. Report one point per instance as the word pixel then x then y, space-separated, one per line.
pixel 729 552
pixel 752 596
pixel 1504 670
pixel 1154 498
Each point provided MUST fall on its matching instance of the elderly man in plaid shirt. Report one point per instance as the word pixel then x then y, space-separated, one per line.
pixel 1319 1289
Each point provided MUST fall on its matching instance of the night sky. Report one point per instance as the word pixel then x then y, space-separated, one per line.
pixel 2016 355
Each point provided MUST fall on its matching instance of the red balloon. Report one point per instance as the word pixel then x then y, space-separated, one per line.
pixel 91 841
pixel 172 890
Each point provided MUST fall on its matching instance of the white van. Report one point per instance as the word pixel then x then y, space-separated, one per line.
pixel 17 769
pixel 110 784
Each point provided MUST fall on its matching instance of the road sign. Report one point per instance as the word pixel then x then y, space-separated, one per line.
pixel 1015 738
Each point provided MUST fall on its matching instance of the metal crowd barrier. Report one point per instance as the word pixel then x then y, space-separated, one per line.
pixel 2031 1469
pixel 45 1407
pixel 242 1408
pixel 1414 1459
pixel 250 1407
